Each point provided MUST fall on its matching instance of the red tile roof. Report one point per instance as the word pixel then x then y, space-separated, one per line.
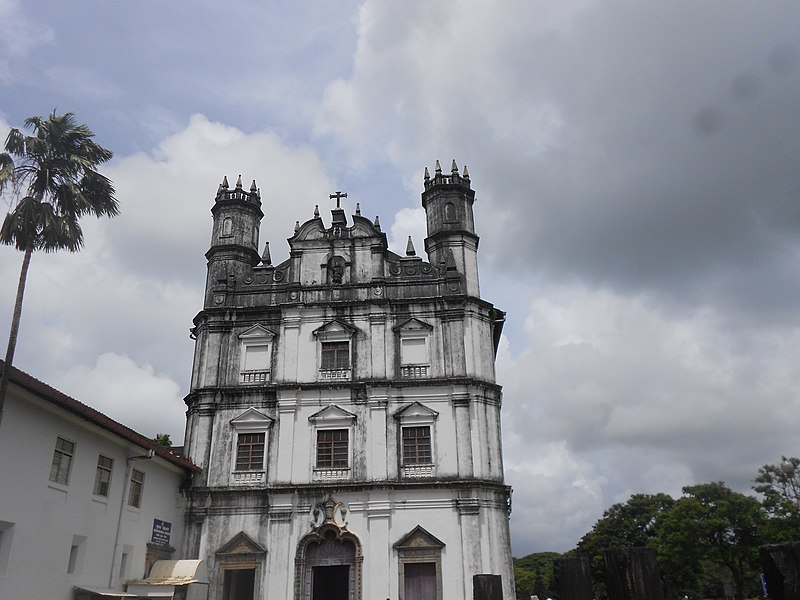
pixel 61 400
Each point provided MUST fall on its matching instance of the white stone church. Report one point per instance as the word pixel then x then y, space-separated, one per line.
pixel 344 410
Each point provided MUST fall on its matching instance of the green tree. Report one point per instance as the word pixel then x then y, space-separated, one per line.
pixel 162 439
pixel 53 182
pixel 780 487
pixel 710 536
pixel 533 574
pixel 623 525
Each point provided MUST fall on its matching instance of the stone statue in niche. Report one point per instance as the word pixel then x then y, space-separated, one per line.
pixel 336 269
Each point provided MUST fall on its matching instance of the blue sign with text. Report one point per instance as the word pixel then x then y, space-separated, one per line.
pixel 161 532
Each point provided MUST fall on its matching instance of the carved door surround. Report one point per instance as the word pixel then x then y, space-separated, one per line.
pixel 328 544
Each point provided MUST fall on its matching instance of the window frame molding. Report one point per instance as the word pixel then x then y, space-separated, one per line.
pixel 332 417
pixel 130 505
pixel 251 420
pixel 257 335
pixel 98 469
pixel 333 332
pixel 55 482
pixel 413 329
pixel 416 414
pixel 418 546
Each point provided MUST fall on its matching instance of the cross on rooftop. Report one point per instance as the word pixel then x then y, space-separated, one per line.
pixel 338 196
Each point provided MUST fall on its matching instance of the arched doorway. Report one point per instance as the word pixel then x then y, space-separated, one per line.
pixel 329 559
pixel 330 569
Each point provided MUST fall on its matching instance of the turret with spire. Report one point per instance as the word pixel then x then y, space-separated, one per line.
pixel 451 243
pixel 234 238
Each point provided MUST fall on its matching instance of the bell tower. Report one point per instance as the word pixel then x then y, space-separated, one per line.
pixel 234 237
pixel 451 242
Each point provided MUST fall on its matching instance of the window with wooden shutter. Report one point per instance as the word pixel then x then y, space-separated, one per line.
pixel 137 489
pixel 62 461
pixel 102 477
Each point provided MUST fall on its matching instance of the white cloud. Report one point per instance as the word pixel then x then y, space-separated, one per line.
pixel 409 222
pixel 135 395
pixel 135 287
pixel 423 71
pixel 166 196
pixel 642 401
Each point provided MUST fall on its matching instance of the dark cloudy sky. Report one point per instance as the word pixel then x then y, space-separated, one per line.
pixel 637 167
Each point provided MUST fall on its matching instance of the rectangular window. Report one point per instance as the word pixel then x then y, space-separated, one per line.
pixel 255 363
pixel 335 356
pixel 76 552
pixel 414 351
pixel 137 488
pixel 332 449
pixel 102 478
pixel 250 452
pixel 417 445
pixel 414 361
pixel 62 461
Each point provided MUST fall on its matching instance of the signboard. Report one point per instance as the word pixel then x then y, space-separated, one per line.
pixel 161 532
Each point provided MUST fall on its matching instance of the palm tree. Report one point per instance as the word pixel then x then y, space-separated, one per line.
pixel 54 173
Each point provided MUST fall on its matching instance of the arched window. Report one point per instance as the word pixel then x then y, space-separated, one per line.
pixel 227 226
pixel 450 213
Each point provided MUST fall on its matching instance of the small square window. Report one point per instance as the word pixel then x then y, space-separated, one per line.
pixel 137 489
pixel 250 451
pixel 332 449
pixel 102 478
pixel 62 461
pixel 417 445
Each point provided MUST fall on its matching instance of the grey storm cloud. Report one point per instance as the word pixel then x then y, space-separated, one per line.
pixel 638 202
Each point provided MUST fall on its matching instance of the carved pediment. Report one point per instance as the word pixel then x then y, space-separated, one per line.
pixel 363 227
pixel 332 414
pixel 241 545
pixel 257 332
pixel 419 538
pixel 416 411
pixel 335 330
pixel 252 419
pixel 412 326
pixel 310 230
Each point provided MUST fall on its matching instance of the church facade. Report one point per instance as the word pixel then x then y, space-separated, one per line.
pixel 344 409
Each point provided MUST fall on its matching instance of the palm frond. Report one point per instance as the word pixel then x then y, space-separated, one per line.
pixel 54 168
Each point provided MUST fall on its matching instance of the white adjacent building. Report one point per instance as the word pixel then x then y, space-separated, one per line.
pixel 344 409
pixel 85 502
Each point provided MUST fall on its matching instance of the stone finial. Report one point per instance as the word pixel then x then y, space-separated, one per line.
pixel 219 189
pixel 316 211
pixel 239 182
pixel 377 223
pixel 296 226
pixel 358 208
pixel 454 168
pixel 265 257
pixel 427 175
pixel 224 183
pixel 438 167
pixel 466 173
pixel 253 187
pixel 410 248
